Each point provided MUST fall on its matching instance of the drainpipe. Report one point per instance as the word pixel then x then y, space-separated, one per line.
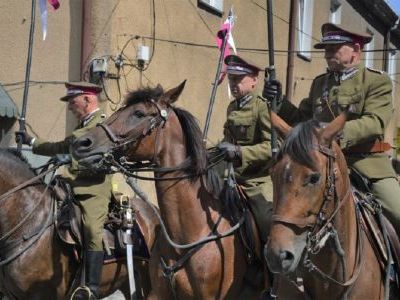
pixel 291 49
pixel 86 47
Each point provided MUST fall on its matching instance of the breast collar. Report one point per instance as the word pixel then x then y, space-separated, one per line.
pixel 241 102
pixel 345 74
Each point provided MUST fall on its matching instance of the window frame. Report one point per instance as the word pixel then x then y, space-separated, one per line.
pixel 305 27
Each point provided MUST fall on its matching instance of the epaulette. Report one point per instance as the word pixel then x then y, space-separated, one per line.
pixel 374 70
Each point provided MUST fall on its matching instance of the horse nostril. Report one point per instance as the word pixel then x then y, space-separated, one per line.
pixel 82 144
pixel 286 258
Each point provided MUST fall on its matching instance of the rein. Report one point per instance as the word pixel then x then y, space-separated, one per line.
pixel 317 238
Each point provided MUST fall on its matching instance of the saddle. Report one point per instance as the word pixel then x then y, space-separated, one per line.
pixel 69 224
pixel 374 223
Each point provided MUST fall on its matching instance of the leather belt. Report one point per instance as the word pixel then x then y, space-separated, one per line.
pixel 369 147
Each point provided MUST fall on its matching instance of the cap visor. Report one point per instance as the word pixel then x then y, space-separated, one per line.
pixel 322 45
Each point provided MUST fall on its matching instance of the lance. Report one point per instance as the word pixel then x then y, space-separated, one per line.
pixel 270 73
pixel 22 116
pixel 224 35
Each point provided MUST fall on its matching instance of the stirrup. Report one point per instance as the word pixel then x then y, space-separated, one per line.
pixel 84 289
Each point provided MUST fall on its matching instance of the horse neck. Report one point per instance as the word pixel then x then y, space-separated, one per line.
pixel 14 208
pixel 184 203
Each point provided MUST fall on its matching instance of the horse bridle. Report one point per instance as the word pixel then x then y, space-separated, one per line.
pixel 143 128
pixel 321 227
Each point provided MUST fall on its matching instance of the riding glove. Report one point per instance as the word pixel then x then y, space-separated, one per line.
pixel 232 153
pixel 24 137
pixel 272 90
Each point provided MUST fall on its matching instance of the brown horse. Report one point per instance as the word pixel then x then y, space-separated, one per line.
pixel 34 263
pixel 316 232
pixel 148 128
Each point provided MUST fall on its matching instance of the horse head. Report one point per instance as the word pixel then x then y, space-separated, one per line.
pixel 301 176
pixel 135 132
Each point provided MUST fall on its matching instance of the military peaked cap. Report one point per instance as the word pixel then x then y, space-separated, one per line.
pixel 238 66
pixel 338 34
pixel 76 88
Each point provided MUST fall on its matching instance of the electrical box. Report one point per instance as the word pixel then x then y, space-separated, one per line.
pixel 143 53
pixel 99 65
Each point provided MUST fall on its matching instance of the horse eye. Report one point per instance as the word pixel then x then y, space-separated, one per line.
pixel 314 178
pixel 139 113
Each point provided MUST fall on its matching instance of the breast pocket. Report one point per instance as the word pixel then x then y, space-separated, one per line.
pixel 243 131
pixel 351 98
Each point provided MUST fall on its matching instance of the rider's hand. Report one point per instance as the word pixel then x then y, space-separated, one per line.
pixel 272 90
pixel 231 152
pixel 24 137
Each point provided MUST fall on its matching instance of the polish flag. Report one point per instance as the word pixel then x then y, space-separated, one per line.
pixel 43 13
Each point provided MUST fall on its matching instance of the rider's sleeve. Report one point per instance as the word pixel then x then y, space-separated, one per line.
pixel 46 148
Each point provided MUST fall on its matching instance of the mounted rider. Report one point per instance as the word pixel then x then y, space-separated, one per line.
pixel 92 190
pixel 367 93
pixel 247 139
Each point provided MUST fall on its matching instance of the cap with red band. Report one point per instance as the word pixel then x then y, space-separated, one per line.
pixel 337 34
pixel 79 88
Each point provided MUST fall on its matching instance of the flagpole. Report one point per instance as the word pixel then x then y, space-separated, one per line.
pixel 271 74
pixel 224 37
pixel 27 76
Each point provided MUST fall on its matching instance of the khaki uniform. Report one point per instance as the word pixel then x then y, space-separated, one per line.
pixel 368 93
pixel 248 125
pixel 92 189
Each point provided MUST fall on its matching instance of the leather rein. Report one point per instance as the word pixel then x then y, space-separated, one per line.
pixel 321 227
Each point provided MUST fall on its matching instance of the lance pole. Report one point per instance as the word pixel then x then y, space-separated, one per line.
pixel 271 74
pixel 22 116
pixel 224 35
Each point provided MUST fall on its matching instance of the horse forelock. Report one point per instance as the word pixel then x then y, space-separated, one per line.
pixel 300 143
pixel 144 95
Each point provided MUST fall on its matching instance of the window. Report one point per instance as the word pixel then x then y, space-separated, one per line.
pixel 392 67
pixel 336 12
pixel 369 55
pixel 214 6
pixel 305 28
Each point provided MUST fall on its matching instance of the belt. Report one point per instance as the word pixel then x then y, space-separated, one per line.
pixel 369 147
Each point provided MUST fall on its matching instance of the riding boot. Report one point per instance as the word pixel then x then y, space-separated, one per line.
pixel 93 269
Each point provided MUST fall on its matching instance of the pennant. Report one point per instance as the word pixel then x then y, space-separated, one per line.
pixel 43 14
pixel 226 26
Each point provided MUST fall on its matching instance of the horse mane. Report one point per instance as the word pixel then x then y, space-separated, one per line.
pixel 19 161
pixel 144 95
pixel 300 142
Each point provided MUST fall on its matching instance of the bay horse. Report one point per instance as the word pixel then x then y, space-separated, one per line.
pixel 34 262
pixel 149 128
pixel 316 232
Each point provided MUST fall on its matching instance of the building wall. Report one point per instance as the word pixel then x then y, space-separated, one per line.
pixel 183 50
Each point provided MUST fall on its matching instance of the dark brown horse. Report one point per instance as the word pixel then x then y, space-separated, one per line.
pixel 148 128
pixel 34 263
pixel 316 232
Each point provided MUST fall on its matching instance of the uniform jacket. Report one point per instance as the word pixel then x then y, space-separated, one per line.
pixel 249 127
pixel 82 179
pixel 368 93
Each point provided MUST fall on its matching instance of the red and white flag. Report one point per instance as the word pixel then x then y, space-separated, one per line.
pixel 226 26
pixel 43 13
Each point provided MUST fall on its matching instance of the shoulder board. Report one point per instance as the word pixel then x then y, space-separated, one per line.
pixel 375 70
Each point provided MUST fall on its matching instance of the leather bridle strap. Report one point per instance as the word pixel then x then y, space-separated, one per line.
pixel 298 222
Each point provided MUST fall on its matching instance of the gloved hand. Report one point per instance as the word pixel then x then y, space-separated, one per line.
pixel 272 89
pixel 24 137
pixel 232 152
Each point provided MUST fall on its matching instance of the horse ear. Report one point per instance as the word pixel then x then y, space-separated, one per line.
pixel 173 94
pixel 280 125
pixel 330 132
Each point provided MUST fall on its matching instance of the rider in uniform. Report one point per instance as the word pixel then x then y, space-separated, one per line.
pixel 367 93
pixel 247 139
pixel 92 190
